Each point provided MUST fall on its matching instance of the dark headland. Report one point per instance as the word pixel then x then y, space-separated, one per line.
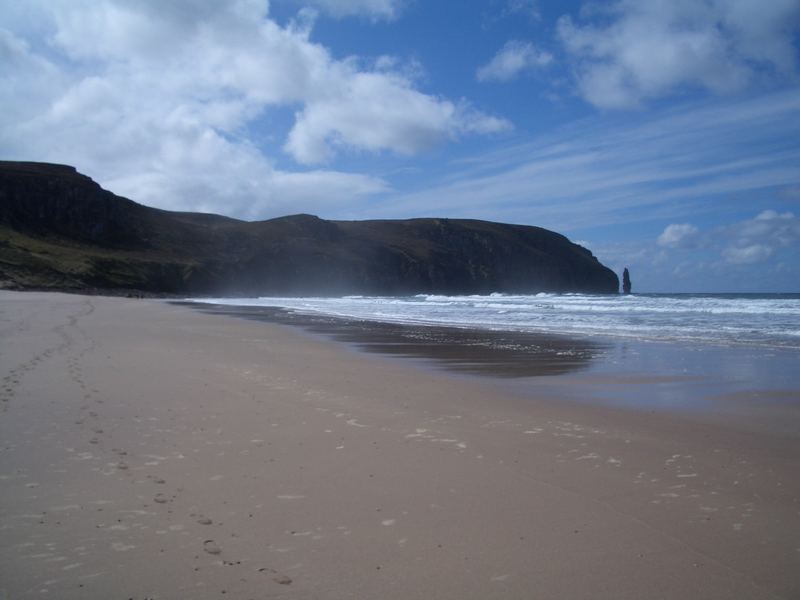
pixel 60 230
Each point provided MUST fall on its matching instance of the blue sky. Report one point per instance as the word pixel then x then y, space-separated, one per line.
pixel 663 135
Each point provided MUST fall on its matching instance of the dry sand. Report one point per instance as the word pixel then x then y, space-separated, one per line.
pixel 150 451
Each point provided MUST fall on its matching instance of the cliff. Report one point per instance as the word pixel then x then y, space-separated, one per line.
pixel 61 230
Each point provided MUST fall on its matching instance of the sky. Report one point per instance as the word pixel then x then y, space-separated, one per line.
pixel 663 135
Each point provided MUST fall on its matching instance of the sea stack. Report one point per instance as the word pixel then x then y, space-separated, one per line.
pixel 626 281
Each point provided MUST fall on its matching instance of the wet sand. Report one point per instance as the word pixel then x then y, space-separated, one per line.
pixel 500 354
pixel 152 451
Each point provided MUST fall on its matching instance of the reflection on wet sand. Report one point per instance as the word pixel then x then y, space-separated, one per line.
pixel 480 352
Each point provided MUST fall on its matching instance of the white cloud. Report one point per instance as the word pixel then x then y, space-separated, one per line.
pixel 747 255
pixel 512 60
pixel 27 81
pixel 678 234
pixel 772 215
pixel 769 229
pixel 238 181
pixel 374 9
pixel 375 111
pixel 716 258
pixel 756 254
pixel 647 49
pixel 742 243
pixel 175 103
pixel 758 239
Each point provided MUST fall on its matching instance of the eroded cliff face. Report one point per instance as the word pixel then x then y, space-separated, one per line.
pixel 59 229
pixel 57 200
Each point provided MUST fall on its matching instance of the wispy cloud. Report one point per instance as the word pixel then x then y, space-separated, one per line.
pixel 373 9
pixel 605 172
pixel 512 60
pixel 527 8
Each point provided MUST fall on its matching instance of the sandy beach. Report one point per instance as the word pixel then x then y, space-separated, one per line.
pixel 151 451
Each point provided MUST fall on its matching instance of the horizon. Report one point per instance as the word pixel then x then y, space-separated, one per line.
pixel 660 136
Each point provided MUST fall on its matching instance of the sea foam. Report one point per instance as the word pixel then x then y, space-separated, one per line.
pixel 728 319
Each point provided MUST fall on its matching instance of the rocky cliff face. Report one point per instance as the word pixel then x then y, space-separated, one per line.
pixel 59 229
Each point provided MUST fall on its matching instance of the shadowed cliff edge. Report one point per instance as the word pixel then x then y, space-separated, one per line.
pixel 60 230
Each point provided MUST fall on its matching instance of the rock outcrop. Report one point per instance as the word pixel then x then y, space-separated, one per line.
pixel 626 281
pixel 59 229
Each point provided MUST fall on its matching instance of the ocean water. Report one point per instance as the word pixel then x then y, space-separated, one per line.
pixel 764 320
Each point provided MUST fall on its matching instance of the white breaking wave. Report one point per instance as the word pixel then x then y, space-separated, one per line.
pixel 766 320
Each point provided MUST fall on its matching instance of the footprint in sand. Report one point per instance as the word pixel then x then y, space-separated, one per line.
pixel 279 577
pixel 211 547
pixel 161 499
pixel 204 521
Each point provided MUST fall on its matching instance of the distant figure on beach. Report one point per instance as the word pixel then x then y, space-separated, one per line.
pixel 626 281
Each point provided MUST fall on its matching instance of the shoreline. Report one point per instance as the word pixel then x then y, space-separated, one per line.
pixel 471 351
pixel 159 452
pixel 665 376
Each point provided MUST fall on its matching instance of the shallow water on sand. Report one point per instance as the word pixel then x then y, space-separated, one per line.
pixel 712 379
